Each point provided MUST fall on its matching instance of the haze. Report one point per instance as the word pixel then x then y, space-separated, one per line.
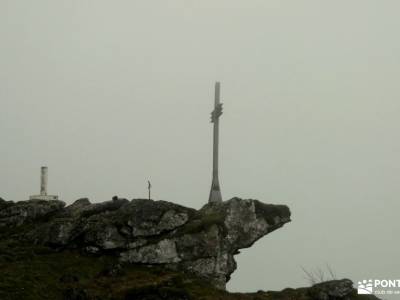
pixel 109 94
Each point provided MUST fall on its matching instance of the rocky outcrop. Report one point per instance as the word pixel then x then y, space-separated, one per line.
pixel 16 214
pixel 333 289
pixel 338 289
pixel 202 242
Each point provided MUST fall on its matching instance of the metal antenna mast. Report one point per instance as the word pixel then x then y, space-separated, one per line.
pixel 215 193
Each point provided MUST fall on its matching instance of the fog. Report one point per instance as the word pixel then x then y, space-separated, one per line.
pixel 110 94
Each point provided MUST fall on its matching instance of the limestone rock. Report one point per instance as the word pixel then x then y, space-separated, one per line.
pixel 333 289
pixel 4 203
pixel 163 252
pixel 16 214
pixel 143 231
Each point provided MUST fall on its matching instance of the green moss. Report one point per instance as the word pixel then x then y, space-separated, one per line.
pixel 29 272
pixel 34 272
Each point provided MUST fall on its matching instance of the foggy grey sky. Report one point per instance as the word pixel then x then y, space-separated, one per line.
pixel 109 94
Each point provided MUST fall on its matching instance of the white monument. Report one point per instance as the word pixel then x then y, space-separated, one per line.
pixel 43 187
pixel 215 193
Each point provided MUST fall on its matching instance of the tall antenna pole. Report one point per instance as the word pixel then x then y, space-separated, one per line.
pixel 215 193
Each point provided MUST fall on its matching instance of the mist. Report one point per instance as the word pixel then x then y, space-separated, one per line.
pixel 109 95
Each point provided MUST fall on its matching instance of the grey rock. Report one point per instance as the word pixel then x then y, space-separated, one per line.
pixel 60 232
pixel 171 219
pixel 92 250
pixel 17 214
pixel 104 236
pixel 163 252
pixel 5 204
pixel 149 218
pixel 98 208
pixel 333 289
pixel 78 205
pixel 203 242
pixel 137 243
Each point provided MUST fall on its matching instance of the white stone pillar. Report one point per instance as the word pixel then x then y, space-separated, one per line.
pixel 43 187
pixel 43 181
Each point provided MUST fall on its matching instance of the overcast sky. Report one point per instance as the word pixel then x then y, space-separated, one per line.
pixel 109 94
